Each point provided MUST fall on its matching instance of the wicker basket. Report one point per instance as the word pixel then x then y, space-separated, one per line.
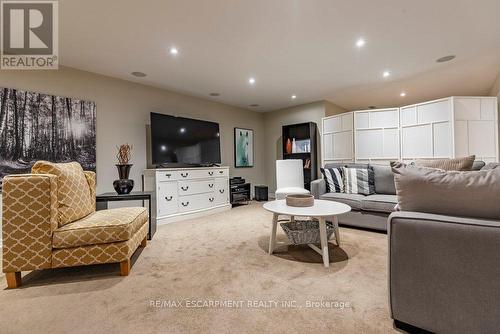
pixel 302 232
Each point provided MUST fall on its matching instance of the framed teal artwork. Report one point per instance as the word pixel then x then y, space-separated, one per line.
pixel 243 147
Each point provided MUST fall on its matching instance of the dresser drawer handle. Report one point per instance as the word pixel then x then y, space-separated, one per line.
pixel 185 188
pixel 211 185
pixel 221 191
pixel 168 175
pixel 184 174
pixel 168 198
pixel 185 204
pixel 221 172
pixel 210 173
pixel 211 199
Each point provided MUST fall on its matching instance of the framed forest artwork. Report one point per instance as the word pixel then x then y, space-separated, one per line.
pixel 36 126
pixel 243 147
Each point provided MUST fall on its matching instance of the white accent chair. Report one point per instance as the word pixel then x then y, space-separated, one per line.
pixel 289 178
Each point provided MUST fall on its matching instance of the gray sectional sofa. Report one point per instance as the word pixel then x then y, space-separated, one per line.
pixel 369 211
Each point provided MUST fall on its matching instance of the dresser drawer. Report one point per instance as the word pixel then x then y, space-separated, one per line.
pixel 167 198
pixel 221 191
pixel 196 187
pixel 169 175
pixel 196 202
pixel 221 173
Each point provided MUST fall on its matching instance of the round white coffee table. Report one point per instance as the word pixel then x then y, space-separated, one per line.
pixel 321 210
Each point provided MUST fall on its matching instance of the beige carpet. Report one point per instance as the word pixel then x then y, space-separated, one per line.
pixel 218 258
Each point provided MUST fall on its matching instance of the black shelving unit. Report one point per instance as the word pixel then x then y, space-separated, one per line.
pixel 302 133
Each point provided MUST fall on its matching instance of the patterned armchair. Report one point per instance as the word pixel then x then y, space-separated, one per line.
pixel 49 221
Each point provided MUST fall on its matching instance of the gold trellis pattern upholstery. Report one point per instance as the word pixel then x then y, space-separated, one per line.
pixel 73 191
pixel 31 229
pixel 29 215
pixel 101 227
pixel 104 253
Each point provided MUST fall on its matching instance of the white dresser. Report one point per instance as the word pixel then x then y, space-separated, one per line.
pixel 183 193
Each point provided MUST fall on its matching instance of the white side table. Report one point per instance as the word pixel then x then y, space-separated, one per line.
pixel 321 209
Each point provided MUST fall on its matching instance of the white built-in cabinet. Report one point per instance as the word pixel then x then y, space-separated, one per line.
pixel 446 128
pixel 338 138
pixel 376 135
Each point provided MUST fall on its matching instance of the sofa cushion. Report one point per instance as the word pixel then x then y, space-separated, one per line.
pixel 334 179
pixel 346 164
pixel 491 165
pixel 101 227
pixel 359 181
pixel 478 165
pixel 353 200
pixel 454 193
pixel 462 164
pixel 73 191
pixel 379 203
pixel 384 179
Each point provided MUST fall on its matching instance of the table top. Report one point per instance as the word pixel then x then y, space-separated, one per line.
pixel 321 208
pixel 133 195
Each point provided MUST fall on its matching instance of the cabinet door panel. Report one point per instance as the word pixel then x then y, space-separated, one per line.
pixel 328 144
pixel 167 198
pixel 391 143
pixel 442 140
pixel 409 116
pixel 467 109
pixel 434 112
pixel 461 139
pixel 417 141
pixel 488 109
pixel 482 138
pixel 347 122
pixel 342 145
pixel 221 191
pixel 384 119
pixel 362 120
pixel 369 143
pixel 333 124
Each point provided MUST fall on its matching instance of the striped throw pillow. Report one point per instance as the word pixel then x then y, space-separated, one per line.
pixel 359 180
pixel 333 179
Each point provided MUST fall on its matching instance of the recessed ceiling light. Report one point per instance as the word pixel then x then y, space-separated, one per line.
pixel 251 81
pixel 445 59
pixel 174 50
pixel 138 74
pixel 294 97
pixel 254 105
pixel 360 42
pixel 214 94
pixel 386 74
pixel 403 94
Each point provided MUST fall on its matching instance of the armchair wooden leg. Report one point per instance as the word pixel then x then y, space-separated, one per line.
pixel 144 242
pixel 125 267
pixel 13 279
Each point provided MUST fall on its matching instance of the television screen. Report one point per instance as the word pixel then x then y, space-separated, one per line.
pixel 184 141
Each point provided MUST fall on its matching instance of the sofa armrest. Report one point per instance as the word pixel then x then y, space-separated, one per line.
pixel 318 188
pixel 443 272
pixel 91 180
pixel 29 216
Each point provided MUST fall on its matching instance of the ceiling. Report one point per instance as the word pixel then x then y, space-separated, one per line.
pixel 300 47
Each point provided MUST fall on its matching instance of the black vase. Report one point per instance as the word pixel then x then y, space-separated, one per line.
pixel 124 185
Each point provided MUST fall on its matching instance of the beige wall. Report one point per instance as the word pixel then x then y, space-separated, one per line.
pixel 495 91
pixel 123 111
pixel 273 121
pixel 333 109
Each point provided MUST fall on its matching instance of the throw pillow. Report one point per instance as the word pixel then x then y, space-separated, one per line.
pixel 359 180
pixel 333 179
pixel 73 191
pixel 453 193
pixel 460 164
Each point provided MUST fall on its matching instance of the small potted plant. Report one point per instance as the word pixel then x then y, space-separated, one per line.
pixel 123 185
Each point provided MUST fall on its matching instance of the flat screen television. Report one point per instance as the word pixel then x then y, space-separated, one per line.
pixel 179 141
